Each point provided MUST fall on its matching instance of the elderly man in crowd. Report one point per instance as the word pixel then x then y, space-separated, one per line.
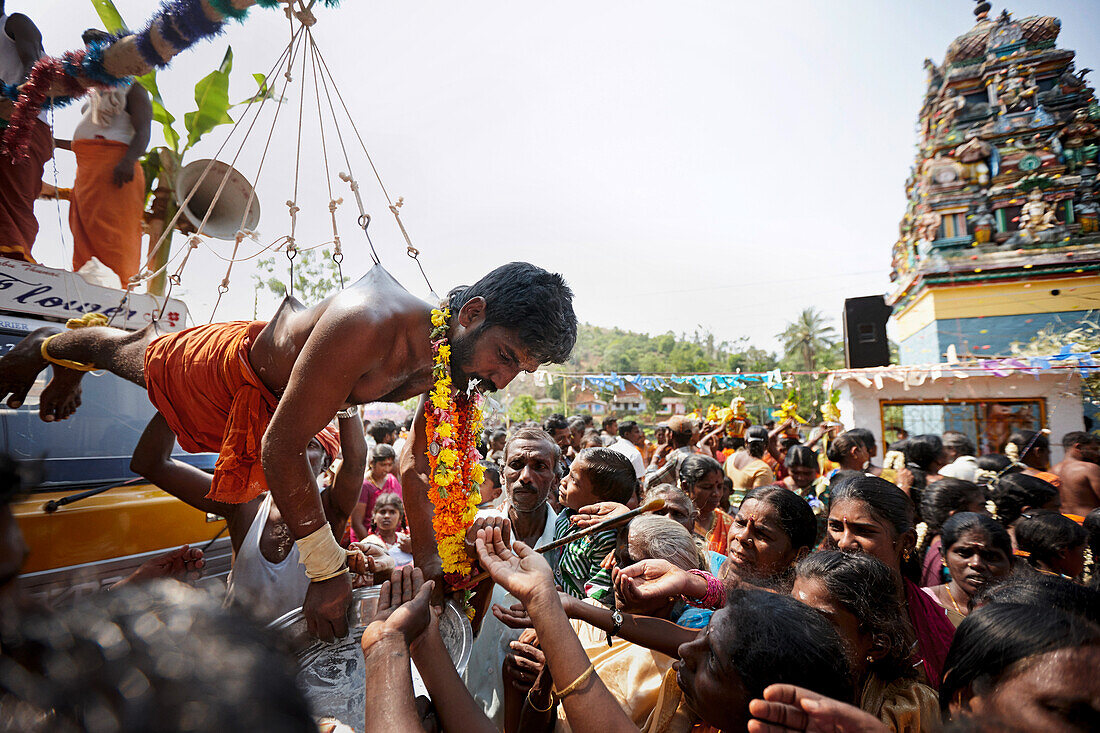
pixel 532 463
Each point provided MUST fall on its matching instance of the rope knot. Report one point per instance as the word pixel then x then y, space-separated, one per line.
pixel 293 207
pixel 193 241
pixel 333 203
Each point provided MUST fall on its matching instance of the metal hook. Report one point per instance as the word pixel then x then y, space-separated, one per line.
pixel 364 221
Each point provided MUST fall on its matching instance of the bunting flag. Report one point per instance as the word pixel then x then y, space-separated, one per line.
pixel 703 384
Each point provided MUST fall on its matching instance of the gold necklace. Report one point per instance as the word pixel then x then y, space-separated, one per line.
pixel 952 597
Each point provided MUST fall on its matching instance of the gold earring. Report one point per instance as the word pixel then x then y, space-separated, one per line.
pixel 906 555
pixel 870 659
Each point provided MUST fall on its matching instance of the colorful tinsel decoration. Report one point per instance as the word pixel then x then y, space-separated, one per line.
pixel 46 73
pixel 181 23
pixel 455 475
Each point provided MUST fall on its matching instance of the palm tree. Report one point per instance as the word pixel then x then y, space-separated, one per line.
pixel 807 336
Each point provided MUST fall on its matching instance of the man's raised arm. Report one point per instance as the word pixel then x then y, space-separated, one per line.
pixel 337 353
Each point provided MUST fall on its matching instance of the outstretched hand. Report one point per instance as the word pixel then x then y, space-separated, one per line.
pixel 369 563
pixel 593 514
pixel 790 708
pixel 521 571
pixel 184 564
pixel 403 607
pixel 652 579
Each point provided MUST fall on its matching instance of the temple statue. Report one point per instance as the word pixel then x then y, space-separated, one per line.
pixel 1086 208
pixel 972 156
pixel 1078 140
pixel 983 223
pixel 1037 215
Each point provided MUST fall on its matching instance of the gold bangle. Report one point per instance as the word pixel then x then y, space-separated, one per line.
pixel 572 687
pixel 537 709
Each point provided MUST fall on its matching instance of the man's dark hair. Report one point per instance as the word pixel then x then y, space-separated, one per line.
pixel 382 429
pixel 993 638
pixel 959 442
pixel 865 587
pixel 607 421
pixel 556 421
pixel 576 424
pixel 156 657
pixel 923 450
pixel 1078 437
pixel 611 473
pixel 534 303
pixel 626 426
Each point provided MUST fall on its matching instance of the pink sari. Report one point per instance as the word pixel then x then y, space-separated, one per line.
pixel 933 629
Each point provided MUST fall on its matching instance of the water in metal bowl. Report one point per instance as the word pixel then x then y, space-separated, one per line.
pixel 333 677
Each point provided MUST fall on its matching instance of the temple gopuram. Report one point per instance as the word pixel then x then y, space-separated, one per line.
pixel 1001 235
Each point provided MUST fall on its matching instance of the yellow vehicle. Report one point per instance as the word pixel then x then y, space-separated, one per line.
pixel 92 521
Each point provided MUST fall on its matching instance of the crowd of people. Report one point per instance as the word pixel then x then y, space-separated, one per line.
pixel 778 584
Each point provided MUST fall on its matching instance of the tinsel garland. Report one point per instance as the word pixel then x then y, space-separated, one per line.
pixel 181 23
pixel 88 62
pixel 46 73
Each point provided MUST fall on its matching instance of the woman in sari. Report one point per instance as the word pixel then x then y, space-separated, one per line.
pixel 701 479
pixel 857 593
pixel 871 515
pixel 978 552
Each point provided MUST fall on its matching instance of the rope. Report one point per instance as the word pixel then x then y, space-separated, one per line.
pixel 166 235
pixel 412 251
pixel 337 254
pixel 292 204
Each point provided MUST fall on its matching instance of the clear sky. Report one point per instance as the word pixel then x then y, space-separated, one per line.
pixel 685 164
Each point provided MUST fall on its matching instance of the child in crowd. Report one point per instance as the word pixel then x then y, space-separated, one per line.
pixel 491 490
pixel 596 475
pixel 388 520
pixel 378 481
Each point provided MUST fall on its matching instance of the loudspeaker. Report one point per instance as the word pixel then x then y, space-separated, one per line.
pixel 865 342
pixel 221 195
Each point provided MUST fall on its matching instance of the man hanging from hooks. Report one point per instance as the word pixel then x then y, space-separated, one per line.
pixel 258 392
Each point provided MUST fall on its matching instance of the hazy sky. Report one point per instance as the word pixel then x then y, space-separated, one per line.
pixel 685 164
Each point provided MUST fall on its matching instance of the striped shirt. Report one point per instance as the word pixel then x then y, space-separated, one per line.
pixel 578 572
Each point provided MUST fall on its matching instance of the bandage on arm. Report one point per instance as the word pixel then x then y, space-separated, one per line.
pixel 322 555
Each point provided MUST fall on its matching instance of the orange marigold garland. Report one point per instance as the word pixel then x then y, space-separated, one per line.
pixel 452 425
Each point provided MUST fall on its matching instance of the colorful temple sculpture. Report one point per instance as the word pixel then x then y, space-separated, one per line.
pixel 1001 236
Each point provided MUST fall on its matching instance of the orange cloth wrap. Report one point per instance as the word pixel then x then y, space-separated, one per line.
pixel 20 184
pixel 202 382
pixel 105 219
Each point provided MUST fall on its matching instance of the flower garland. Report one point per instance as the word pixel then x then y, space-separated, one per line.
pixel 453 423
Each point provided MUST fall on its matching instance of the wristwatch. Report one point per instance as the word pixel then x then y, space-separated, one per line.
pixel 350 412
pixel 616 624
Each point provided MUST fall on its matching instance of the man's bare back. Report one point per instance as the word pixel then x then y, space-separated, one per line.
pixel 1080 488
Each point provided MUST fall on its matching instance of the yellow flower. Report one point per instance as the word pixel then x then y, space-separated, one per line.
pixel 440 401
pixel 448 456
pixel 445 353
pixel 438 317
pixel 443 477
pixel 477 473
pixel 444 430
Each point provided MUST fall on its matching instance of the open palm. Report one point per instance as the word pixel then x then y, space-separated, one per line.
pixel 520 570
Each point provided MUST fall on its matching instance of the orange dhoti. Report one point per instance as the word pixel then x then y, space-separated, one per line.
pixel 201 381
pixel 106 220
pixel 20 184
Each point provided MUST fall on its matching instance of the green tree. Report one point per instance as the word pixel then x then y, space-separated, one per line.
pixel 316 276
pixel 523 408
pixel 807 339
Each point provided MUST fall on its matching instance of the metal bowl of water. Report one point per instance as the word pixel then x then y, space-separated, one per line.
pixel 332 675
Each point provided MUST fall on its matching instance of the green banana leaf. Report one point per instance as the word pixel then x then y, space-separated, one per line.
pixel 113 22
pixel 212 102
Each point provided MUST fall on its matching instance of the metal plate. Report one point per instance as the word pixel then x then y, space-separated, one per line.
pixel 332 676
